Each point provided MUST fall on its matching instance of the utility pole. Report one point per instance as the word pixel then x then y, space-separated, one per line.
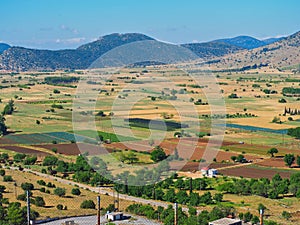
pixel 118 201
pixel 28 207
pixel 261 216
pixel 98 210
pixel 176 214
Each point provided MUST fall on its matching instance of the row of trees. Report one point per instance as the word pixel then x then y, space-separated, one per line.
pixel 263 187
pixel 8 110
pixel 192 217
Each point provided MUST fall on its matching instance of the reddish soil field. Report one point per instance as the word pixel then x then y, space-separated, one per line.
pixel 274 162
pixel 195 166
pixel 6 141
pixel 24 150
pixel 188 148
pixel 76 149
pixel 254 172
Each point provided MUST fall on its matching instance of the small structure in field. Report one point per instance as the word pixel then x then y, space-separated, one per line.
pixel 113 216
pixel 226 221
pixel 207 172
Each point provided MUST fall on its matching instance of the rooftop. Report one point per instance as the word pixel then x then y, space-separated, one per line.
pixel 225 221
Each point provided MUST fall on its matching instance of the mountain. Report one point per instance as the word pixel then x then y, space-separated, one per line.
pixel 23 59
pixel 238 51
pixel 212 49
pixel 272 40
pixel 3 47
pixel 282 53
pixel 248 42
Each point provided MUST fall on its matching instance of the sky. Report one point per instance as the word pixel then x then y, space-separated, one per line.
pixel 60 24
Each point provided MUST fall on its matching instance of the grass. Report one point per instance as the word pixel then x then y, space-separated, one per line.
pixel 72 202
pixel 113 137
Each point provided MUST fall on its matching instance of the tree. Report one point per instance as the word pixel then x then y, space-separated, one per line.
pixel 15 214
pixel 247 217
pixel 19 157
pixel 261 207
pixel 170 195
pixel 50 160
pixel 39 201
pixel 233 158
pixel 60 192
pixel 88 204
pixel 3 128
pixel 272 151
pixel 294 132
pixel 131 157
pixel 9 108
pixel 76 191
pixel 255 220
pixel 218 197
pixel 30 160
pixel 7 178
pixel 206 198
pixel 286 215
pixel 27 186
pixel 2 173
pixel 158 154
pixel 289 159
pixel 60 207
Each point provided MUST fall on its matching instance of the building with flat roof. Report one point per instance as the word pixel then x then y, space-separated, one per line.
pixel 113 216
pixel 226 221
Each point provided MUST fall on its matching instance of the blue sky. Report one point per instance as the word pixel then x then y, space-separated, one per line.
pixel 57 24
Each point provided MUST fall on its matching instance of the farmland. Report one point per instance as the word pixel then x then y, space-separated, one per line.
pixel 115 119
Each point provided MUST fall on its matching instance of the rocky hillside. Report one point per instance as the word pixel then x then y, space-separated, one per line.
pixel 212 49
pixel 248 42
pixel 3 47
pixel 285 52
pixel 23 59
pixel 228 53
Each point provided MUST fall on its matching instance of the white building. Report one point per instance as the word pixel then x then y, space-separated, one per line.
pixel 226 221
pixel 207 172
pixel 113 216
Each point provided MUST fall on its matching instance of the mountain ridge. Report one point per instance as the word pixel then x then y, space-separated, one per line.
pixel 3 47
pixel 248 42
pixel 25 59
pixel 282 53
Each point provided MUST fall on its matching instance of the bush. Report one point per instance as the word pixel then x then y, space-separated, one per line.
pixel 60 192
pixel 60 207
pixel 22 197
pixel 76 191
pixel 282 100
pixel 2 173
pixel 41 182
pixel 56 91
pixel 30 160
pixel 39 201
pixel 7 178
pixel 50 161
pixel 27 186
pixel 88 204
pixel 158 154
pixel 19 157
